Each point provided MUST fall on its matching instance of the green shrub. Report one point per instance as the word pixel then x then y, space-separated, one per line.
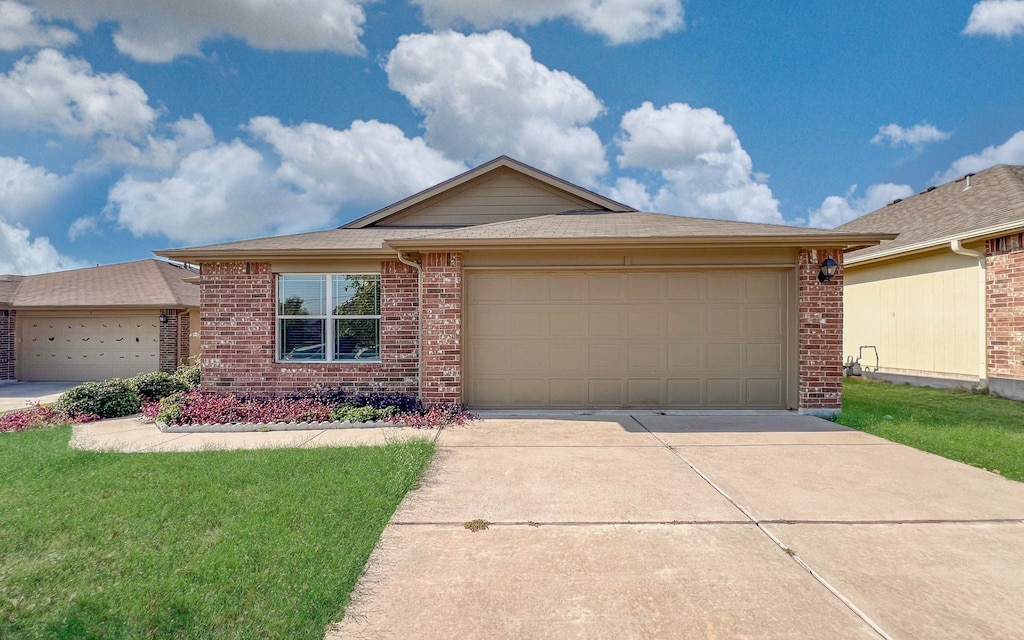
pixel 108 399
pixel 348 413
pixel 170 410
pixel 156 385
pixel 189 376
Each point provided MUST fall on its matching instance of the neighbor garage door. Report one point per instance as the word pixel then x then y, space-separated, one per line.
pixel 609 339
pixel 87 347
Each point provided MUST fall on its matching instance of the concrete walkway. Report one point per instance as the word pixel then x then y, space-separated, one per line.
pixel 648 526
pixel 18 395
pixel 132 435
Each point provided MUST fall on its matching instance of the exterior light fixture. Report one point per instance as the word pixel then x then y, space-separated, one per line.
pixel 163 316
pixel 828 269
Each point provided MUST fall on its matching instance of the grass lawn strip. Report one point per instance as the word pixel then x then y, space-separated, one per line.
pixel 213 544
pixel 976 429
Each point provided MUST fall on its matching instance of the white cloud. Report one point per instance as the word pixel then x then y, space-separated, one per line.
pixel 1010 152
pixel 159 31
pixel 224 191
pixel 21 255
pixel 915 136
pixel 705 170
pixel 1000 18
pixel 619 21
pixel 368 163
pixel 51 92
pixel 837 210
pixel 21 27
pixel 484 95
pixel 26 189
pixel 160 152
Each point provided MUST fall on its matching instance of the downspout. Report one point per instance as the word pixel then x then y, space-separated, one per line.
pixel 957 247
pixel 419 322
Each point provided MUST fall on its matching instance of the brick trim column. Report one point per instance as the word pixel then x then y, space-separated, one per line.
pixel 820 334
pixel 441 359
pixel 169 341
pixel 1004 315
pixel 184 329
pixel 8 357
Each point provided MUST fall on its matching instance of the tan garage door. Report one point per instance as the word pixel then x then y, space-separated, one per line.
pixel 88 347
pixel 609 339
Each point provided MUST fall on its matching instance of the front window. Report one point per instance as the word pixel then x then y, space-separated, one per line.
pixel 328 318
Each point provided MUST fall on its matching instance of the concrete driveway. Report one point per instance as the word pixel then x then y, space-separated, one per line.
pixel 649 526
pixel 17 395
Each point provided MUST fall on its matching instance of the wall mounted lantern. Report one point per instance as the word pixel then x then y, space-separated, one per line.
pixel 828 269
pixel 163 316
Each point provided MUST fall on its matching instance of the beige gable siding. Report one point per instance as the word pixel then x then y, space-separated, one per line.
pixel 501 196
pixel 922 314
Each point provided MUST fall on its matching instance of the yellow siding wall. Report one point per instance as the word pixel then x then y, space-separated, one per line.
pixel 922 314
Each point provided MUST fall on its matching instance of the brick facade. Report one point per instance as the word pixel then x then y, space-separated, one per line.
pixel 237 336
pixel 184 328
pixel 169 341
pixel 442 327
pixel 1004 318
pixel 7 346
pixel 820 334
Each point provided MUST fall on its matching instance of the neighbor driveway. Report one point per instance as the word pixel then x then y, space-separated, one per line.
pixel 653 526
pixel 18 395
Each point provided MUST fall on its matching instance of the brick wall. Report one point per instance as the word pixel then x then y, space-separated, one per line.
pixel 442 327
pixel 7 347
pixel 169 341
pixel 183 336
pixel 237 335
pixel 820 334
pixel 1004 294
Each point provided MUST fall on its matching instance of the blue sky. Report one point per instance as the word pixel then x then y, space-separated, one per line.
pixel 133 125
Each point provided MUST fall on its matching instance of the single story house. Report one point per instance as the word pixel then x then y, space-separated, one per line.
pixel 97 323
pixel 509 288
pixel 943 302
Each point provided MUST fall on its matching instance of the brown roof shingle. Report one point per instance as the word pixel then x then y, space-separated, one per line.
pixel 145 283
pixel 995 197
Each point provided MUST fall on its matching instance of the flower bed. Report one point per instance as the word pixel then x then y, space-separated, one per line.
pixel 194 411
pixel 38 416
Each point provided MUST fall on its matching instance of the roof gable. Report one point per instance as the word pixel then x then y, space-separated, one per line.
pixel 991 201
pixel 502 189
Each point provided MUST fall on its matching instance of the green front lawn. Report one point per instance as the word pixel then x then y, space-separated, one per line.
pixel 977 429
pixel 214 544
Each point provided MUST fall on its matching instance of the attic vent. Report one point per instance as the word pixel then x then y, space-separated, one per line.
pixel 928 190
pixel 894 202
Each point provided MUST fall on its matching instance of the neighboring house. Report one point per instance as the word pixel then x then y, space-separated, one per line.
pixel 943 302
pixel 506 287
pixel 97 323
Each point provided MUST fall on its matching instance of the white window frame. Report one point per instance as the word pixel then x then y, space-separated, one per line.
pixel 329 320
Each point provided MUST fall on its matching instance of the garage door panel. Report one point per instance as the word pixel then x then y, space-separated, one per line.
pixel 685 358
pixel 645 286
pixel 644 393
pixel 764 392
pixel 529 320
pixel 762 321
pixel 606 392
pixel 489 288
pixel 682 392
pixel 646 320
pixel 726 286
pixel 725 321
pixel 607 286
pixel 606 356
pixel 685 339
pixel 647 358
pixel 568 392
pixel 567 357
pixel 724 392
pixel 567 320
pixel 606 321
